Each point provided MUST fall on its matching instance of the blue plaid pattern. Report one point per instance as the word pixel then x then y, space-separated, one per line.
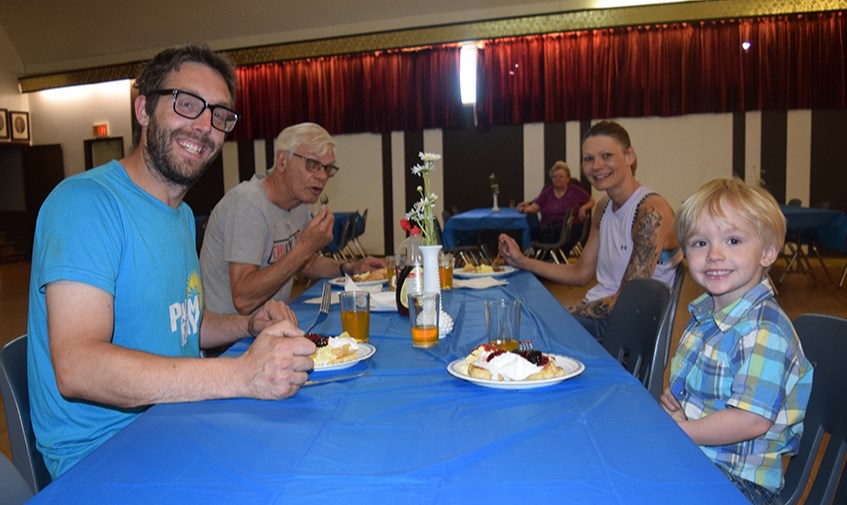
pixel 745 356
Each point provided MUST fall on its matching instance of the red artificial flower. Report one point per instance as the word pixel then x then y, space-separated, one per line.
pixel 415 230
pixel 405 225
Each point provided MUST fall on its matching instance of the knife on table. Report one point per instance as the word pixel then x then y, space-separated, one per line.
pixel 335 379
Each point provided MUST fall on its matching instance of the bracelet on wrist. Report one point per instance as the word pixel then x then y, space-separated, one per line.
pixel 341 272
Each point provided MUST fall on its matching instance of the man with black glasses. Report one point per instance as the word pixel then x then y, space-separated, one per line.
pixel 116 315
pixel 262 232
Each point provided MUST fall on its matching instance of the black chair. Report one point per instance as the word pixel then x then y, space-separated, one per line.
pixel 824 340
pixel 358 231
pixel 200 223
pixel 15 489
pixel 555 249
pixel 634 326
pixel 467 254
pixel 663 342
pixel 13 383
pixel 340 251
pixel 579 245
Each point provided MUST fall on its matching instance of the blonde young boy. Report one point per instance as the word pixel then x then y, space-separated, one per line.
pixel 739 382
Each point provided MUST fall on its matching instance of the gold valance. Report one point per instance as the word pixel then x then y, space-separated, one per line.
pixel 547 23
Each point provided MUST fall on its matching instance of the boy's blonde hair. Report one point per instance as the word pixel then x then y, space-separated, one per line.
pixel 753 204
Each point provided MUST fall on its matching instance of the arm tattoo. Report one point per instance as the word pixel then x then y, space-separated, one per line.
pixel 597 309
pixel 645 251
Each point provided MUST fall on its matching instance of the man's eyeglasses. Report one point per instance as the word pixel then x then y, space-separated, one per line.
pixel 190 106
pixel 312 165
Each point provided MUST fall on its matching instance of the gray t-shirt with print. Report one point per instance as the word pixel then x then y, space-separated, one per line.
pixel 245 227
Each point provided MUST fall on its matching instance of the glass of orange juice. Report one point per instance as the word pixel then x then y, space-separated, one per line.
pixel 423 316
pixel 446 261
pixel 390 264
pixel 356 314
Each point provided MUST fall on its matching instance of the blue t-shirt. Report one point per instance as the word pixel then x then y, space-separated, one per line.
pixel 101 229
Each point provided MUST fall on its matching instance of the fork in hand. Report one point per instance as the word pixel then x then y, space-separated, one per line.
pixel 323 312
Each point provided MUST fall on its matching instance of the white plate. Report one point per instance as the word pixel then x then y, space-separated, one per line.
pixel 506 270
pixel 339 281
pixel 572 368
pixel 364 352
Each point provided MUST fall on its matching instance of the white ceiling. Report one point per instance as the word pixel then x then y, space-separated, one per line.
pixel 59 35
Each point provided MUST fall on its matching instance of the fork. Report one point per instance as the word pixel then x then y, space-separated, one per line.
pixel 323 312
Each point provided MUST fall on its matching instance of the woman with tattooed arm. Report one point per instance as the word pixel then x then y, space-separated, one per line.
pixel 631 237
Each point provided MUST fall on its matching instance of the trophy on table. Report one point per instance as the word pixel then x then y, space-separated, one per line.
pixel 495 190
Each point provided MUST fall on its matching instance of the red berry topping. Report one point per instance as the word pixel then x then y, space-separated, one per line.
pixel 317 339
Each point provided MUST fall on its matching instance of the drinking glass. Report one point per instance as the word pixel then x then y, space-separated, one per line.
pixel 446 261
pixel 423 317
pixel 356 314
pixel 502 320
pixel 390 265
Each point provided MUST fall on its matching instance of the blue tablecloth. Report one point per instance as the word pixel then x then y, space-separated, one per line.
pixel 472 222
pixel 410 433
pixel 829 226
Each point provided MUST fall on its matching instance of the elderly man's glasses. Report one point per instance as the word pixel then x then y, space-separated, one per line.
pixel 312 165
pixel 190 106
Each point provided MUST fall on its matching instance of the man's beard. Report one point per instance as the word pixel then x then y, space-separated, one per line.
pixel 160 157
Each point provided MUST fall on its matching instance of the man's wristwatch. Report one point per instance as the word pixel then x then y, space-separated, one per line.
pixel 341 272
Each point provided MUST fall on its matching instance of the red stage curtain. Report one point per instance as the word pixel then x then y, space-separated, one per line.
pixel 373 92
pixel 795 61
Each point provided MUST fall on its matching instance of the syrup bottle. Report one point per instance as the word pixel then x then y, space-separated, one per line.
pixel 410 278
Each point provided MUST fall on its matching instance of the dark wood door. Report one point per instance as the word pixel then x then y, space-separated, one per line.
pixel 43 169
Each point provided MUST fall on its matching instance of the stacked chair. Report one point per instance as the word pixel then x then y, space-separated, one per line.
pixel 578 247
pixel 541 250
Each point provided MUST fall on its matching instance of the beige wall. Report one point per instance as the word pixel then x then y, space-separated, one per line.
pixel 675 155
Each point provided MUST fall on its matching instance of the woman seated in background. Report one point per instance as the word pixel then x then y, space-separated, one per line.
pixel 631 234
pixel 554 202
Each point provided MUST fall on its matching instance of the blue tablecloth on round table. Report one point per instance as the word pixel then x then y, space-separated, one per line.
pixel 472 222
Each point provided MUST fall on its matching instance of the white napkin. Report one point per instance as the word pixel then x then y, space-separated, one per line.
pixel 383 301
pixel 350 285
pixel 478 282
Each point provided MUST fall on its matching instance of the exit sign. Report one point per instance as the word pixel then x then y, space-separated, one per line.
pixel 101 130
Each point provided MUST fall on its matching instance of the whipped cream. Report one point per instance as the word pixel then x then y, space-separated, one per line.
pixel 341 341
pixel 508 366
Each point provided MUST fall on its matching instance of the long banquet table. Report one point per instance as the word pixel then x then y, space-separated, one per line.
pixel 411 433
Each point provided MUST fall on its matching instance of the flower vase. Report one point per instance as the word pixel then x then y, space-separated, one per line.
pixel 431 279
pixel 495 207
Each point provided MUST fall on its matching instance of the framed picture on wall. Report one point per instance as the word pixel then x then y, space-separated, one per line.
pixel 19 125
pixel 102 150
pixel 4 124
